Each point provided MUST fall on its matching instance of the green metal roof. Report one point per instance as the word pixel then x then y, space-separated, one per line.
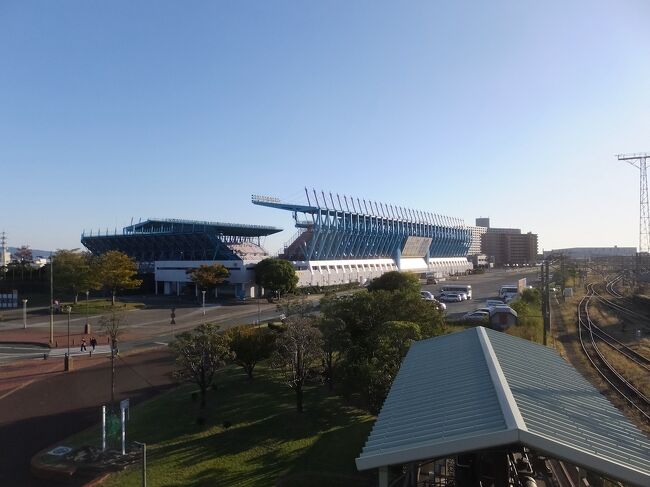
pixel 481 388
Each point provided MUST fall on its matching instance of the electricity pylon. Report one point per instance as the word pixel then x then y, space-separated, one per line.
pixel 640 161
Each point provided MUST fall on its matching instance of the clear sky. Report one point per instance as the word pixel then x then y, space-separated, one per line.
pixel 512 110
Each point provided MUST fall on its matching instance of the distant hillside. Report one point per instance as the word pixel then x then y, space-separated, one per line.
pixel 35 252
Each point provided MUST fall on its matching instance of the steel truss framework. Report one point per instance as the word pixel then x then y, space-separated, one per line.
pixel 177 240
pixel 640 161
pixel 352 228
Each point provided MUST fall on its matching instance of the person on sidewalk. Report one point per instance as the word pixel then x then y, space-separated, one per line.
pixel 83 344
pixel 93 343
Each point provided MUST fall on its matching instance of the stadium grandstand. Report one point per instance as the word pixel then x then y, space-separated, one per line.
pixel 169 247
pixel 341 240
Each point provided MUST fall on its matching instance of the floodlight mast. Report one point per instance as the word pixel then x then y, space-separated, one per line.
pixel 640 161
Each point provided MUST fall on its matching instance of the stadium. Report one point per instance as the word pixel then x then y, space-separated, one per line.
pixel 338 241
pixel 168 248
pixel 342 240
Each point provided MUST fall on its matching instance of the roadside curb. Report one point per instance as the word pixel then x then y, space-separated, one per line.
pixel 38 344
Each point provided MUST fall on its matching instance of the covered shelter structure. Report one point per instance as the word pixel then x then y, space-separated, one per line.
pixel 481 407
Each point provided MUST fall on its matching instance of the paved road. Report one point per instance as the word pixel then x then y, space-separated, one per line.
pixel 142 327
pixel 484 286
pixel 53 405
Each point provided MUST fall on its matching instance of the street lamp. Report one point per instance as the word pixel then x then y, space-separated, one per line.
pixel 68 360
pixel 51 299
pixel 69 310
pixel 258 305
pixel 87 293
pixel 203 292
pixel 24 314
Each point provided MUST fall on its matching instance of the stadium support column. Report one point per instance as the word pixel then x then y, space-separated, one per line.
pixel 398 259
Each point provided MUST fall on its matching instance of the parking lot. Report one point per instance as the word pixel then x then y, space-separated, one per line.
pixel 484 286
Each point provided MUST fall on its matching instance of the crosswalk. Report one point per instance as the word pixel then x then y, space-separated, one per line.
pixel 74 352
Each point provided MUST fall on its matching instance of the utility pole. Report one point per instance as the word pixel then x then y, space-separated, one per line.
pixel 24 314
pixel 51 299
pixel 640 161
pixel 546 300
pixel 544 288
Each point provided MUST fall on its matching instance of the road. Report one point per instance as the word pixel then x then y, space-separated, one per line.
pixel 484 286
pixel 142 327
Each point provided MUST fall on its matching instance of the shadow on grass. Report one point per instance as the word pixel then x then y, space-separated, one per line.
pixel 267 438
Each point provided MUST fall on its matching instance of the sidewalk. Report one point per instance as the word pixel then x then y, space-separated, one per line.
pixel 36 413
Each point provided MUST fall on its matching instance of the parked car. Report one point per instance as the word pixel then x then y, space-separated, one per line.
pixel 426 295
pixel 450 298
pixel 477 316
pixel 486 310
pixel 441 306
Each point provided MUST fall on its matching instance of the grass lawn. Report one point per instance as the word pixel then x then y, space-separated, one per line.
pixel 99 306
pixel 267 442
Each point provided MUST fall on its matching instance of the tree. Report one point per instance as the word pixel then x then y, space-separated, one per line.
pixel 23 258
pixel 114 270
pixel 111 326
pixel 297 349
pixel 297 305
pixel 207 277
pixel 336 340
pixel 396 281
pixel 394 338
pixel 199 354
pixel 363 313
pixel 73 272
pixel 250 345
pixel 276 275
pixel 23 255
pixel 380 325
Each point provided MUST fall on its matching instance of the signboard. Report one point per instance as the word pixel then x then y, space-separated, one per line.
pixel 521 284
pixel 124 406
pixel 59 451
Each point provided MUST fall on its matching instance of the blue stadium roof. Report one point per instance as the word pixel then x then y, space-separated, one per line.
pixel 172 225
pixel 174 239
pixel 338 228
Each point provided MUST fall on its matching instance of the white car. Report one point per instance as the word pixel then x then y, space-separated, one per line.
pixel 450 298
pixel 427 296
pixel 463 296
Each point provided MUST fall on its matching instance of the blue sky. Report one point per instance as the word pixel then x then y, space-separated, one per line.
pixel 512 110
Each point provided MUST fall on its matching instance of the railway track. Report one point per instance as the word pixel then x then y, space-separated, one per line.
pixel 624 309
pixel 609 287
pixel 592 337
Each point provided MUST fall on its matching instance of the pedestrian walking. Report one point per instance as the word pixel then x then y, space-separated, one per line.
pixel 93 342
pixel 83 344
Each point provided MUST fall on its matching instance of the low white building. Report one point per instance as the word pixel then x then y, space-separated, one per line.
pixel 171 277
